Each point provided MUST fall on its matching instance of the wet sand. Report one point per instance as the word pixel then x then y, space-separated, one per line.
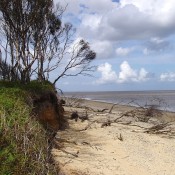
pixel 123 148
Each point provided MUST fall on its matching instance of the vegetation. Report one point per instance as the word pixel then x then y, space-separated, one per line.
pixel 24 143
pixel 35 42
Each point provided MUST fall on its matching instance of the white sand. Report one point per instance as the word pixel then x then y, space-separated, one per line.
pixel 100 151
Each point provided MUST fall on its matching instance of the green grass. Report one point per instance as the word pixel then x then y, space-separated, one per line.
pixel 24 147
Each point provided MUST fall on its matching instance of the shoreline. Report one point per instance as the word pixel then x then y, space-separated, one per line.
pixel 117 103
pixel 163 99
pixel 99 105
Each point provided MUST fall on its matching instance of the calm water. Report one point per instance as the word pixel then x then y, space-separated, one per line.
pixel 164 99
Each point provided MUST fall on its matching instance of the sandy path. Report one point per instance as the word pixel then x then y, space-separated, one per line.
pixel 100 152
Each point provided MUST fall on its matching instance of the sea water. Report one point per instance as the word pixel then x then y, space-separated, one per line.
pixel 164 100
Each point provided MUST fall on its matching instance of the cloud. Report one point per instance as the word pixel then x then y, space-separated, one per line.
pixel 72 6
pixel 168 77
pixel 146 51
pixel 156 45
pixel 123 51
pixel 65 83
pixel 91 21
pixel 103 7
pixel 104 49
pixel 78 6
pixel 126 20
pixel 129 19
pixel 107 74
pixel 144 75
pixel 126 74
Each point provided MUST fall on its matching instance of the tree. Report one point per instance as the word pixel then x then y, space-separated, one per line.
pixel 38 43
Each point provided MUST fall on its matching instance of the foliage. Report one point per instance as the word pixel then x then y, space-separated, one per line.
pixel 38 42
pixel 24 143
pixel 5 71
pixel 33 86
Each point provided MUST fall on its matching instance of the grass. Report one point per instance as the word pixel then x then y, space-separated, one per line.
pixel 24 143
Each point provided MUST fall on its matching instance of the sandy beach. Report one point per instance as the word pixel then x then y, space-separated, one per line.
pixel 114 141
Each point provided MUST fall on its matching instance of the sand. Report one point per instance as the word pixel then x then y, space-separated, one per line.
pixel 123 148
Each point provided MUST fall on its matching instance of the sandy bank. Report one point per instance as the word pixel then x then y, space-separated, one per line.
pixel 123 148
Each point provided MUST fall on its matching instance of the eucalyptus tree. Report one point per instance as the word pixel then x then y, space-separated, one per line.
pixel 38 43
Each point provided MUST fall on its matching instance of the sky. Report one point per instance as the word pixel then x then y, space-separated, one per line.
pixel 134 41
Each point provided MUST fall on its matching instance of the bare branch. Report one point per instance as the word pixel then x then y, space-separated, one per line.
pixel 38 42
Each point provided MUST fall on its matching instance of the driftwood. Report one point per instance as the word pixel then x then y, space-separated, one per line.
pixel 58 146
pixel 84 117
pixel 157 128
pixel 120 137
pixel 129 124
pixel 64 140
pixel 73 154
pixel 105 124
pixel 141 113
pixel 73 101
pixel 102 110
pixel 105 114
pixel 110 111
pixel 112 108
pixel 76 116
pixel 88 126
pixel 98 110
pixel 118 118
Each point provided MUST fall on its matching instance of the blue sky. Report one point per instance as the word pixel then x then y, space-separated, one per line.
pixel 134 41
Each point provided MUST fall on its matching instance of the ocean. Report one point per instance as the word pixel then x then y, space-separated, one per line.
pixel 164 100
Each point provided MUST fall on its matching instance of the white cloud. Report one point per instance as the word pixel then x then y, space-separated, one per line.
pixel 104 49
pixel 167 76
pixel 123 51
pixel 107 74
pixel 129 19
pixel 126 74
pixel 153 7
pixel 108 21
pixel 91 21
pixel 156 40
pixel 143 75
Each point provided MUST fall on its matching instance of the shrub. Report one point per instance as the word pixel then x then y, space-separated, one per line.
pixel 24 143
